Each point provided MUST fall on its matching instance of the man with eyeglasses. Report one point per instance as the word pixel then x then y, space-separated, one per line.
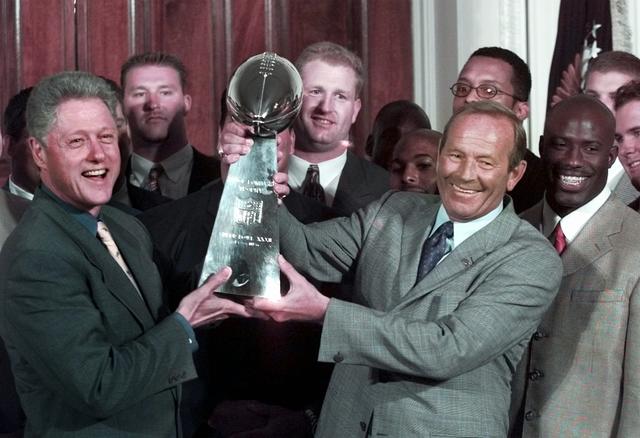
pixel 497 74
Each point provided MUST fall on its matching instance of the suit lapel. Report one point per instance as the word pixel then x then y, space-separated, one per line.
pixel 114 278
pixel 414 235
pixel 466 255
pixel 351 193
pixel 593 240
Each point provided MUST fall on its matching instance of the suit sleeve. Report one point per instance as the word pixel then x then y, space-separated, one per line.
pixel 52 319
pixel 629 418
pixel 325 250
pixel 500 312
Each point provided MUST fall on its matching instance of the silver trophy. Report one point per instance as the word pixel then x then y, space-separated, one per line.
pixel 265 92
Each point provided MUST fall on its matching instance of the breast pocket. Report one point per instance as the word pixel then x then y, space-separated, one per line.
pixel 597 296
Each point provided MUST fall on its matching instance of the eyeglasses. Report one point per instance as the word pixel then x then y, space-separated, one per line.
pixel 484 91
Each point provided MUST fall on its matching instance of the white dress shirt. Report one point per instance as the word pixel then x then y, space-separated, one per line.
pixel 329 171
pixel 575 221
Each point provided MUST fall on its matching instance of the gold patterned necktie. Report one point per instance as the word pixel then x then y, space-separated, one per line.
pixel 311 186
pixel 153 180
pixel 107 240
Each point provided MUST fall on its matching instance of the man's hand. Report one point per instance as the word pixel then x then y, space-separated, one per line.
pixel 235 141
pixel 302 302
pixel 202 307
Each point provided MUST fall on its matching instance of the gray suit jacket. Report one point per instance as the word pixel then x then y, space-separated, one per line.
pixel 587 346
pixel 90 358
pixel 433 358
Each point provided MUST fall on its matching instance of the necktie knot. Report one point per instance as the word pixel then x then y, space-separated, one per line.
pixel 153 180
pixel 311 186
pixel 559 239
pixel 435 247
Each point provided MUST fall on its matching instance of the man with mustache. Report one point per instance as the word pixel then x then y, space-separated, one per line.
pixel 447 292
pixel 580 375
pixel 163 165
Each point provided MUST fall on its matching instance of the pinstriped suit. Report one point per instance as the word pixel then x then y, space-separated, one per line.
pixel 589 353
pixel 429 359
pixel 89 357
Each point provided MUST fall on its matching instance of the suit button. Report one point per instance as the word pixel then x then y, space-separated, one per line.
pixel 538 335
pixel 466 263
pixel 531 415
pixel 536 374
pixel 338 357
pixel 363 426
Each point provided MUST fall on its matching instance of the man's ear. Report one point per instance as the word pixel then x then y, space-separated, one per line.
pixel 38 152
pixel 515 175
pixel 187 104
pixel 521 109
pixel 613 154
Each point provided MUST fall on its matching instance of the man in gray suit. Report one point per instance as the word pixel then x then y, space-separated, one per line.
pixel 582 374
pixel 427 348
pixel 93 351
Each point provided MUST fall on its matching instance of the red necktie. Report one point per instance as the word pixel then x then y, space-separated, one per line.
pixel 559 239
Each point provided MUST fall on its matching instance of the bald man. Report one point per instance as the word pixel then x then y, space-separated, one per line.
pixel 581 375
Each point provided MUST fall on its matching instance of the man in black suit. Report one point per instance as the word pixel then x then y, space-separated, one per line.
pixel 268 381
pixel 25 176
pixel 502 76
pixel 163 166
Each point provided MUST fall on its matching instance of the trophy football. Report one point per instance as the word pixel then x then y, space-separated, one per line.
pixel 265 93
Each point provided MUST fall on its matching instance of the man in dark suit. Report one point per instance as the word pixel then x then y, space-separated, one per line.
pixel 81 314
pixel 163 165
pixel 447 292
pixel 12 208
pixel 256 387
pixel 497 74
pixel 605 74
pixel 627 107
pixel 332 79
pixel 24 177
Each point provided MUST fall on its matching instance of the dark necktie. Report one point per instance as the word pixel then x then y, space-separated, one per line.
pixel 311 185
pixel 435 247
pixel 559 239
pixel 153 184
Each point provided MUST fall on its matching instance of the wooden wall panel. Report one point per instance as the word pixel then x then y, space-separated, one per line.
pixel 188 33
pixel 47 39
pixel 102 36
pixel 389 55
pixel 211 37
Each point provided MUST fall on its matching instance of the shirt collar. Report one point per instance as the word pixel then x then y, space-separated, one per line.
pixel 173 166
pixel 85 219
pixel 575 221
pixel 19 191
pixel 329 170
pixel 463 230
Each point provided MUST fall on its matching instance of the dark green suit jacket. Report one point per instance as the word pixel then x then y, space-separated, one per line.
pixel 90 357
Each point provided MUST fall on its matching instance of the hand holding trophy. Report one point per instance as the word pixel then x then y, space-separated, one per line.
pixel 264 93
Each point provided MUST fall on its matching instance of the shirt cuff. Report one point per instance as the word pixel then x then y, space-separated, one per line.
pixel 191 335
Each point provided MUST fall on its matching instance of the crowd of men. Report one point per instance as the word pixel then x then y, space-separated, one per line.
pixel 456 284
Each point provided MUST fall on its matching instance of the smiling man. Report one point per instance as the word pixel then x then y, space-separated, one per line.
pixel 627 106
pixel 447 292
pixel 93 351
pixel 582 371
pixel 163 165
pixel 413 162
